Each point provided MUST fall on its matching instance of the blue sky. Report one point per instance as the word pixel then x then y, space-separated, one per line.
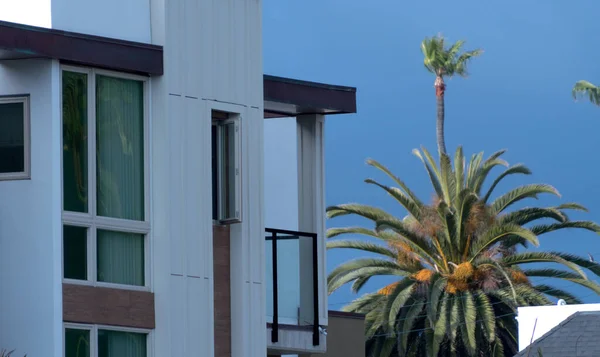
pixel 517 96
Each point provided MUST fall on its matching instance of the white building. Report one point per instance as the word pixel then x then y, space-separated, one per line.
pixel 536 321
pixel 115 237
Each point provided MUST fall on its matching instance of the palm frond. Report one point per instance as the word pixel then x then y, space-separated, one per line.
pixel 354 269
pixel 530 214
pixel 586 89
pixel 513 170
pixel 521 193
pixel 499 232
pixel 540 257
pixel 468 312
pixel 397 180
pixel 406 202
pixel 361 245
pixel 372 213
pixel 485 314
pixel 558 293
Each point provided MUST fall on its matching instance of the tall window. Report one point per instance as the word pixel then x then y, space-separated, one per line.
pixel 94 341
pixel 226 176
pixel 105 223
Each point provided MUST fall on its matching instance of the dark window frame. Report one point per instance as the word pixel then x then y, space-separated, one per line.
pixel 26 173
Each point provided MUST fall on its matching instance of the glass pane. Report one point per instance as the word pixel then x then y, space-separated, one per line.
pixel 77 343
pixel 228 167
pixel 288 277
pixel 120 147
pixel 120 257
pixel 75 252
pixel 215 174
pixel 12 137
pixel 75 130
pixel 121 344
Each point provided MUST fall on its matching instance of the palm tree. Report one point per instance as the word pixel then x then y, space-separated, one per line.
pixel 444 62
pixel 585 88
pixel 460 276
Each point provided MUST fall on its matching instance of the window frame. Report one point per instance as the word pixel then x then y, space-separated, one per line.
pixel 90 219
pixel 94 335
pixel 26 173
pixel 234 117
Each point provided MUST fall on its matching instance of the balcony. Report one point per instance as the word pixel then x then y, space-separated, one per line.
pixel 292 286
pixel 294 201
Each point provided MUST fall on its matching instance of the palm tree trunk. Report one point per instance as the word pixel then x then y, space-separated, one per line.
pixel 440 88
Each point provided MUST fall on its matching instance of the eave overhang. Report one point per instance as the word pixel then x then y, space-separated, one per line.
pixel 283 97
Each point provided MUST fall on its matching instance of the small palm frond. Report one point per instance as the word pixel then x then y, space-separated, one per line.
pixel 516 169
pixel 521 193
pixel 584 88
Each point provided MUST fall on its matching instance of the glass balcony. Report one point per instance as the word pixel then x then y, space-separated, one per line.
pixel 292 281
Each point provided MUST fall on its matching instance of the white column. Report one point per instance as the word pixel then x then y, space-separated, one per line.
pixel 311 212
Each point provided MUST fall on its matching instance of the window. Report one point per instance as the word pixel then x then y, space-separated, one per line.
pixel 226 182
pixel 105 213
pixel 14 138
pixel 95 341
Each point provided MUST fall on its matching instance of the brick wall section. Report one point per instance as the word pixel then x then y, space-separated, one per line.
pixel 222 278
pixel 107 306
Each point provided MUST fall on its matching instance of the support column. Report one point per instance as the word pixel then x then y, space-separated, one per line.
pixel 311 214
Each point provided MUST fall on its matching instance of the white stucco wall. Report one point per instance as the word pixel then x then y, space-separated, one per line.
pixel 547 318
pixel 27 12
pixel 30 221
pixel 121 19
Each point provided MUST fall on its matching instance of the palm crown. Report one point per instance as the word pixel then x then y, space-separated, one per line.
pixel 444 62
pixel 456 260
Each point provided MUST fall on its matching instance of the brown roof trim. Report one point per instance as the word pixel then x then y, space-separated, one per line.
pixel 346 315
pixel 21 41
pixel 292 97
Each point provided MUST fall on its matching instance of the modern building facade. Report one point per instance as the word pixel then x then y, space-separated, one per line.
pixel 133 171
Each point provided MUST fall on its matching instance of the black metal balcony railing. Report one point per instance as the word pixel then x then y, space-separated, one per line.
pixel 276 236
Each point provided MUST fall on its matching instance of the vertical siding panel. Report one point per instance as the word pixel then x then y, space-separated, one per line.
pixel 239 58
pixel 194 56
pixel 220 45
pixel 205 151
pixel 255 195
pixel 176 113
pixel 196 331
pixel 178 299
pixel 194 159
pixel 205 47
pixel 259 337
pixel 182 45
pixel 171 48
pixel 254 51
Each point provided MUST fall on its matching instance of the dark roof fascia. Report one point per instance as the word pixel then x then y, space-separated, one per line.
pixel 282 96
pixel 24 41
pixel 295 97
pixel 346 315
